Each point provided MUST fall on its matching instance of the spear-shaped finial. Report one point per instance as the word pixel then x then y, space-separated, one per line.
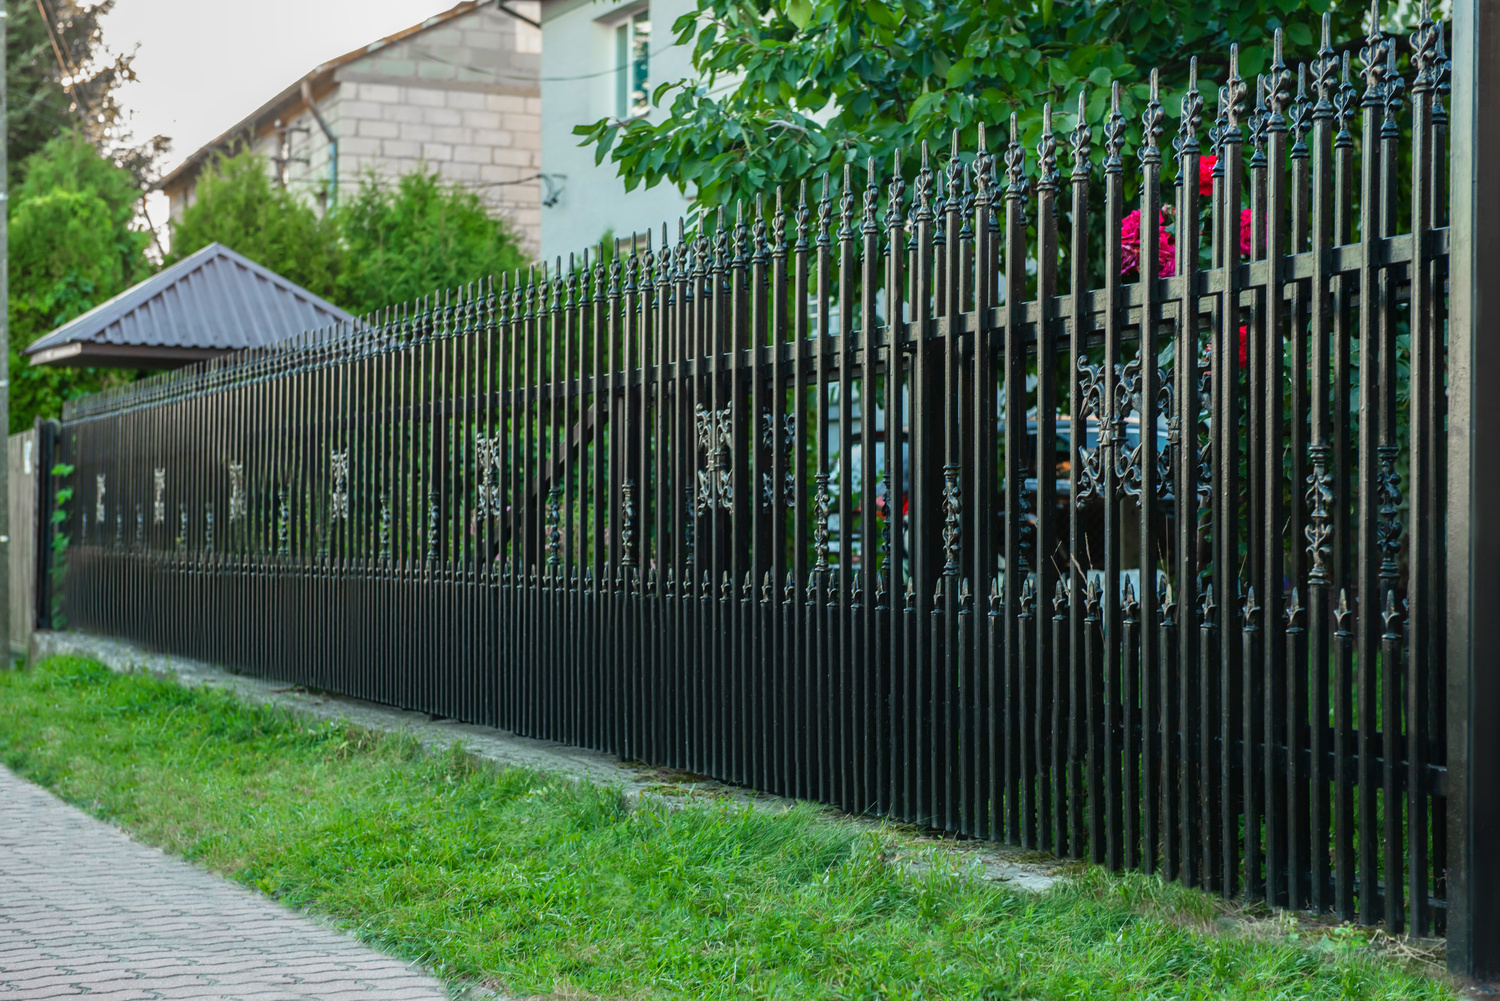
pixel 923 206
pixel 1151 128
pixel 846 204
pixel 1186 143
pixel 1015 163
pixel 825 211
pixel 1081 139
pixel 895 193
pixel 1114 133
pixel 1231 101
pixel 800 216
pixel 1372 56
pixel 1278 86
pixel 1046 153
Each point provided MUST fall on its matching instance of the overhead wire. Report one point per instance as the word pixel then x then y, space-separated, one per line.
pixel 69 75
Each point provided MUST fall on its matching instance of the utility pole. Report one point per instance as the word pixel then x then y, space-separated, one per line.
pixel 4 345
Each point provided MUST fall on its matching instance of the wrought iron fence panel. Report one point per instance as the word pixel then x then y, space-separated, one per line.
pixel 890 492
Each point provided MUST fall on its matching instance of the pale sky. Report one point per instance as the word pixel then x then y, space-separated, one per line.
pixel 206 64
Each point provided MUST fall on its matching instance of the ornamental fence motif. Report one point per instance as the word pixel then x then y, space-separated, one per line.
pixel 919 493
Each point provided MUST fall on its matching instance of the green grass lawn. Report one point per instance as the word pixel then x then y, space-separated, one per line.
pixel 537 885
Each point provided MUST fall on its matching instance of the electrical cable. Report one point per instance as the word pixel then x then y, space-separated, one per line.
pixel 62 65
pixel 533 79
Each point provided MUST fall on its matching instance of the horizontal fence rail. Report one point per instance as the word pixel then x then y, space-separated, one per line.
pixel 958 495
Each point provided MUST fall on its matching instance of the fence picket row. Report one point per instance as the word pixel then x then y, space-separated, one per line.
pixel 907 493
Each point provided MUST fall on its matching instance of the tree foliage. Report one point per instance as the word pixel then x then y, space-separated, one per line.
pixel 416 236
pixel 40 108
pixel 237 205
pixel 788 88
pixel 73 244
pixel 388 243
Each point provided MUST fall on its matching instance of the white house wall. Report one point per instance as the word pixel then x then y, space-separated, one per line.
pixel 578 87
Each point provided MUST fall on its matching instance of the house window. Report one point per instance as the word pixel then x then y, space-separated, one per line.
pixel 632 64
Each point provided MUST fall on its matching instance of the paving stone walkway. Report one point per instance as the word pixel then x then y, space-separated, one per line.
pixel 85 911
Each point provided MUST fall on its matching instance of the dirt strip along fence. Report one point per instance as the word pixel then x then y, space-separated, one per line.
pixel 918 491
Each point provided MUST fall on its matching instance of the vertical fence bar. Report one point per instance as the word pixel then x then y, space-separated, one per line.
pixel 1473 487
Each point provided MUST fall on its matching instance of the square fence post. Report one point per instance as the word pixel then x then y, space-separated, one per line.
pixel 1473 571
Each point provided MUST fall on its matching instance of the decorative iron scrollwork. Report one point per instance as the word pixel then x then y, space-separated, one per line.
pixel 1080 141
pixel 1151 125
pixel 1127 401
pixel 383 531
pixel 1388 523
pixel 487 460
pixel 1114 134
pixel 432 524
pixel 820 521
pixel 158 496
pixel 1320 500
pixel 1091 390
pixel 338 498
pixel 627 523
pixel 1046 154
pixel 1191 119
pixel 952 524
pixel 554 526
pixel 237 507
pixel 715 430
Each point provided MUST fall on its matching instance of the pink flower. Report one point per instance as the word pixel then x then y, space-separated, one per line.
pixel 1130 246
pixel 1206 166
pixel 1244 348
pixel 1245 232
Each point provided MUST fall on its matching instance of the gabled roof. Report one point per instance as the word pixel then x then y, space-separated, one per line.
pixel 318 78
pixel 209 303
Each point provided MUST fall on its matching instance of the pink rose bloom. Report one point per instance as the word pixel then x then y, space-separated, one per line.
pixel 1206 166
pixel 1245 232
pixel 1130 246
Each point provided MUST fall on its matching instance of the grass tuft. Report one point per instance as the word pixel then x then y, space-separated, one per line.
pixel 542 886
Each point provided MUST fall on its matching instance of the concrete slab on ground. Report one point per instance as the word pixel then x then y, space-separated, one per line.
pixel 84 910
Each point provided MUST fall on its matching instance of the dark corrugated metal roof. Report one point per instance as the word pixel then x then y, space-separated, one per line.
pixel 215 300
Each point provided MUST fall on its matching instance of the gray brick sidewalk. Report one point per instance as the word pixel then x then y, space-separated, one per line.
pixel 86 911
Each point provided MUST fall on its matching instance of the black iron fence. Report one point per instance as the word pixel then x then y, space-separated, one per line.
pixel 894 494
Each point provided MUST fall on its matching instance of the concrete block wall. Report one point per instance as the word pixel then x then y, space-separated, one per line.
pixel 489 142
pixel 461 98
